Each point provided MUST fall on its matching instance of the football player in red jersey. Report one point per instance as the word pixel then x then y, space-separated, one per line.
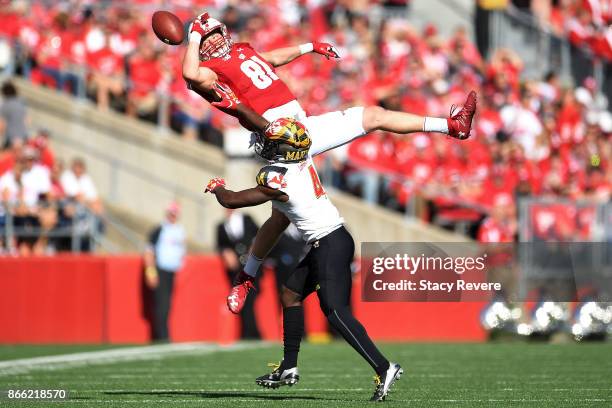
pixel 212 58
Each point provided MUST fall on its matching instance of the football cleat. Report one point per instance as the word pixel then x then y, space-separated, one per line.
pixel 383 383
pixel 242 286
pixel 460 123
pixel 278 378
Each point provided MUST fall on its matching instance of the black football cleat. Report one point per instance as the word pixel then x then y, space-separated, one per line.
pixel 277 378
pixel 385 381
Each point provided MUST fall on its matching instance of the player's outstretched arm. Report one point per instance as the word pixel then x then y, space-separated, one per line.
pixel 244 198
pixel 196 76
pixel 282 56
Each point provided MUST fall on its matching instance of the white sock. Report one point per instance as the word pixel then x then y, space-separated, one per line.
pixel 252 265
pixel 435 125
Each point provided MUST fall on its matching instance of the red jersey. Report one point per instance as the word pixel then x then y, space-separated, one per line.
pixel 251 77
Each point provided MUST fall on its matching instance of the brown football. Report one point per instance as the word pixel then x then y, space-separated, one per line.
pixel 167 27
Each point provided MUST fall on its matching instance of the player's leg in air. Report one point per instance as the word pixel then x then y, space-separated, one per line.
pixel 458 125
pixel 334 129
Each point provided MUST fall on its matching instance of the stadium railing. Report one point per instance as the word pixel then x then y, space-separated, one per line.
pixel 82 230
pixel 544 51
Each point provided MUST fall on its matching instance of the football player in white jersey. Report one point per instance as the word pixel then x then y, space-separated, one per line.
pixel 292 184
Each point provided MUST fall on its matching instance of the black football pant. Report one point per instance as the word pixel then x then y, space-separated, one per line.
pixel 327 269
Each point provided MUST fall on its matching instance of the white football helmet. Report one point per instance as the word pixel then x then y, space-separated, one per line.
pixel 219 47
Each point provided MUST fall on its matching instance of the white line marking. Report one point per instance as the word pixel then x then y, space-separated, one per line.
pixel 156 352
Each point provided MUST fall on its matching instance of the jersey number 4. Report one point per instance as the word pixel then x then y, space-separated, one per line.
pixel 316 183
pixel 258 72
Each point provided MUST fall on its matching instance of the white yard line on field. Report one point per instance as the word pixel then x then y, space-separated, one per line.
pixel 156 352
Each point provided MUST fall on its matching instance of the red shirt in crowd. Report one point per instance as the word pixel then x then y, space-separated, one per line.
pixel 105 61
pixel 145 74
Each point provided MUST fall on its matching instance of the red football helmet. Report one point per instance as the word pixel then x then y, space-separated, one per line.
pixel 218 47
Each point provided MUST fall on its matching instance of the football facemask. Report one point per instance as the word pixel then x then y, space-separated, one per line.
pixel 285 140
pixel 217 46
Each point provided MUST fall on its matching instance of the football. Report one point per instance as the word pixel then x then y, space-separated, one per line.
pixel 168 27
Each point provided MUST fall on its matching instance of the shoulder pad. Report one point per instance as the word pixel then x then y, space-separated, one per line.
pixel 272 176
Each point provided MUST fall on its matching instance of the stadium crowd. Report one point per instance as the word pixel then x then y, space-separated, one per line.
pixel 42 203
pixel 587 23
pixel 534 137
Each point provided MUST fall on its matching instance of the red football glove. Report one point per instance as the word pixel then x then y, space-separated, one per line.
pixel 229 100
pixel 325 49
pixel 196 26
pixel 214 183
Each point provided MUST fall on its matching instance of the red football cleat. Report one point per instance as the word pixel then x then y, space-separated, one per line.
pixel 460 124
pixel 242 285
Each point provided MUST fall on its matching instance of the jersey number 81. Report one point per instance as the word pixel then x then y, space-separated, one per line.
pixel 258 72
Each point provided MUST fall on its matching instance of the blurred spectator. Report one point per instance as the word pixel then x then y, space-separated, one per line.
pixel 234 238
pixel 42 144
pixel 13 116
pixel 107 78
pixel 25 191
pixel 36 178
pixel 162 260
pixel 11 195
pixel 500 226
pixel 83 208
pixel 57 52
pixel 145 75
pixel 77 184
pixel 521 122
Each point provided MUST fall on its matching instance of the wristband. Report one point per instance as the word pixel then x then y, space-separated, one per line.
pixel 252 265
pixel 194 36
pixel 306 48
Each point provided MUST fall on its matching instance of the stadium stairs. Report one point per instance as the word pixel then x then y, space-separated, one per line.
pixel 139 168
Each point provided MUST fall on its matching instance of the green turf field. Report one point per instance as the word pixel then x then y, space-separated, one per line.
pixel 436 375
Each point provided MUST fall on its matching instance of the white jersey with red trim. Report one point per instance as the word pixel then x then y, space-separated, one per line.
pixel 308 208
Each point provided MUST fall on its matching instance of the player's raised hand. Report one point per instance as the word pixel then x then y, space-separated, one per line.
pixel 229 100
pixel 196 28
pixel 325 49
pixel 214 183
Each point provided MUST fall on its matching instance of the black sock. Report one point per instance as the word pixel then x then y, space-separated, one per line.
pixel 293 330
pixel 355 334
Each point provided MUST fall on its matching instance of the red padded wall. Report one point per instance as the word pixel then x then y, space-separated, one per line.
pixel 95 299
pixel 46 300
